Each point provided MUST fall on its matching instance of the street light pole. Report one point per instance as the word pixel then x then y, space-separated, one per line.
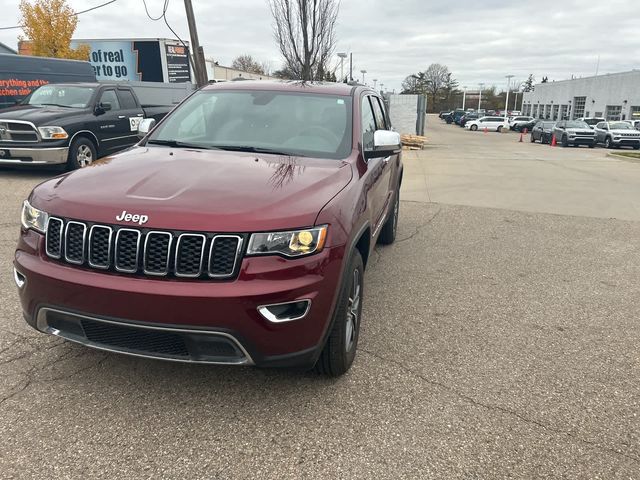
pixel 464 97
pixel 342 56
pixel 363 73
pixel 196 49
pixel 506 106
pixel 480 97
pixel 375 82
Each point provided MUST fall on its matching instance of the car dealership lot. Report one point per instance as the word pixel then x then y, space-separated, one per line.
pixel 500 337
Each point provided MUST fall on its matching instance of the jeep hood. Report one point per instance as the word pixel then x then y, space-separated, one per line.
pixel 197 190
pixel 625 132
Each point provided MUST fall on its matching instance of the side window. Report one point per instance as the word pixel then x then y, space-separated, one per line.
pixel 378 111
pixel 126 100
pixel 109 96
pixel 368 124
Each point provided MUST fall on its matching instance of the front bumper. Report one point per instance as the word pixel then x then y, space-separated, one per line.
pixel 199 312
pixel 582 140
pixel 33 156
pixel 626 142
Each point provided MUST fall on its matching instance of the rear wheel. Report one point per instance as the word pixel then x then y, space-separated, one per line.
pixel 388 232
pixel 474 127
pixel 81 153
pixel 340 350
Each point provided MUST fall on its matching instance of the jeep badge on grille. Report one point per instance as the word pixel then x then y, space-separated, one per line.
pixel 129 217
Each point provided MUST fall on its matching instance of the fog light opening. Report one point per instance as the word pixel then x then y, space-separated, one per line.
pixel 19 278
pixel 285 312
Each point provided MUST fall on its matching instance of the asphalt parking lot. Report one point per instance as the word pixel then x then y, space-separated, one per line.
pixel 500 340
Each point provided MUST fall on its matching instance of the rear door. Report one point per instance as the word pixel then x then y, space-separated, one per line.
pixel 113 128
pixel 130 109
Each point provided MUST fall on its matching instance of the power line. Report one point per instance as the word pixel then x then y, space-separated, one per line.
pixel 75 14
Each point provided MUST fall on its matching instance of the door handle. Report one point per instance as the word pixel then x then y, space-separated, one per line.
pixel 122 116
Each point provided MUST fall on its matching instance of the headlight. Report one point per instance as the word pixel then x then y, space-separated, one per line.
pixel 33 218
pixel 53 133
pixel 291 244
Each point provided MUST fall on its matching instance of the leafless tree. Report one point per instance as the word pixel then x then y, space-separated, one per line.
pixel 435 79
pixel 246 63
pixel 305 32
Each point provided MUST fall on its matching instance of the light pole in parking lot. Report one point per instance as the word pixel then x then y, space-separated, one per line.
pixel 464 96
pixel 506 105
pixel 342 56
pixel 363 73
pixel 480 97
pixel 375 82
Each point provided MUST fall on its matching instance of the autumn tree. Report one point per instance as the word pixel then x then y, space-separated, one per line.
pixel 247 63
pixel 305 33
pixel 49 26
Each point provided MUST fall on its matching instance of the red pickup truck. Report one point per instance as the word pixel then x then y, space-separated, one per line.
pixel 236 232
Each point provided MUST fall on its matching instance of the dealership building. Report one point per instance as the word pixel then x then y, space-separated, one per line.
pixel 613 96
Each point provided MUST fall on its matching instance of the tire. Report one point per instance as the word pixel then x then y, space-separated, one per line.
pixel 388 232
pixel 499 128
pixel 565 141
pixel 340 349
pixel 636 147
pixel 592 145
pixel 81 153
pixel 542 139
pixel 473 128
pixel 533 139
pixel 608 143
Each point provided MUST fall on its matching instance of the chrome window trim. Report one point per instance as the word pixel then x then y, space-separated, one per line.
pixel 144 253
pixel 202 250
pixel 235 260
pixel 84 241
pixel 91 264
pixel 46 240
pixel 43 326
pixel 115 255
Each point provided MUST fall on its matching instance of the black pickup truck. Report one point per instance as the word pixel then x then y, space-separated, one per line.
pixel 72 124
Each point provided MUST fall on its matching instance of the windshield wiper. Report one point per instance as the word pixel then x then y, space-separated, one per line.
pixel 54 105
pixel 178 144
pixel 236 148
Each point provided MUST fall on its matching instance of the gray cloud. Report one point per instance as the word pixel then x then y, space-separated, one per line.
pixel 479 41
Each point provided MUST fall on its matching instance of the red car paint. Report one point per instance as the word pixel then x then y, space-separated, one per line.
pixel 183 189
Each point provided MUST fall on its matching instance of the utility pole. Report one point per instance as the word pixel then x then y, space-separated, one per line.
pixel 196 50
pixel 480 97
pixel 464 97
pixel 506 105
pixel 351 67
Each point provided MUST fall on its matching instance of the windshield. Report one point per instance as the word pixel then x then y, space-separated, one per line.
pixel 577 124
pixel 593 121
pixel 297 124
pixel 61 95
pixel 620 126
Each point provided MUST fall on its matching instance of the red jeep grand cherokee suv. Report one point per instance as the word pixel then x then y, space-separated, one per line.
pixel 236 232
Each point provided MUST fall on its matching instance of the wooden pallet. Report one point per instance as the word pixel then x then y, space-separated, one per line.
pixel 413 142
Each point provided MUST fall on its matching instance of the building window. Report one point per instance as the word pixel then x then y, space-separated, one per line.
pixel 547 111
pixel 598 115
pixel 535 111
pixel 635 113
pixel 614 112
pixel 578 107
pixel 563 112
pixel 554 115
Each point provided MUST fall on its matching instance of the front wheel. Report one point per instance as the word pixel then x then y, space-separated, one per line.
pixel 592 145
pixel 340 350
pixel 500 129
pixel 608 143
pixel 636 147
pixel 565 141
pixel 81 153
pixel 474 128
pixel 533 139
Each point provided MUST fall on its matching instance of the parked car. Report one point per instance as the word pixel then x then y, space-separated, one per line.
pixel 167 250
pixel 72 124
pixel 515 122
pixel 617 134
pixel 634 123
pixel 456 116
pixel 542 131
pixel 468 117
pixel 525 127
pixel 443 113
pixel 493 124
pixel 591 121
pixel 574 133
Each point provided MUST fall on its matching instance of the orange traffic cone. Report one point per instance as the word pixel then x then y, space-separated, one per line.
pixel 554 142
pixel 486 130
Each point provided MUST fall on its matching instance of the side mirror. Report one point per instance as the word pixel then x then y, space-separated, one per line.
pixel 103 107
pixel 145 126
pixel 385 143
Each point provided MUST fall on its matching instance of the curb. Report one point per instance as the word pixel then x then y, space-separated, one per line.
pixel 624 157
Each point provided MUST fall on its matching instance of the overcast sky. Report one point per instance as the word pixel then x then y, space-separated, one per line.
pixel 479 40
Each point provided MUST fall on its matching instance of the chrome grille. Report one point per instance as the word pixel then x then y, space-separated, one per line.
pixel 143 251
pixel 16 131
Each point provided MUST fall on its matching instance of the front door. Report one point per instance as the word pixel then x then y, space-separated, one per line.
pixel 113 126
